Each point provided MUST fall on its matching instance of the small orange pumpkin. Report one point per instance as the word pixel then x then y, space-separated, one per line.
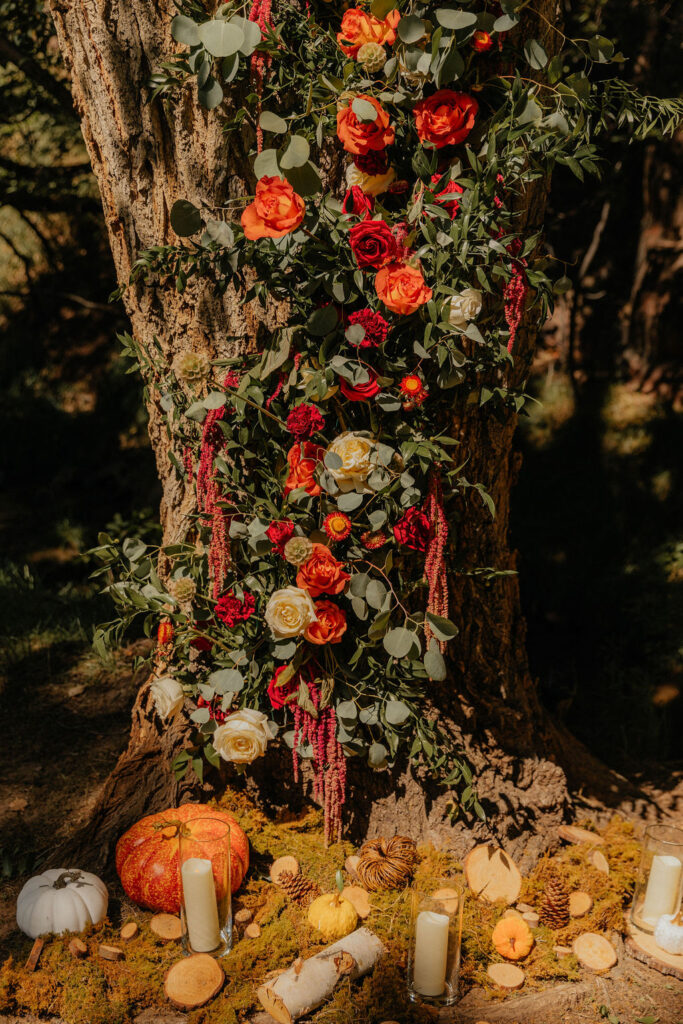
pixel 512 937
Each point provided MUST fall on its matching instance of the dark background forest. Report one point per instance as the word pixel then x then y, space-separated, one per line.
pixel 597 510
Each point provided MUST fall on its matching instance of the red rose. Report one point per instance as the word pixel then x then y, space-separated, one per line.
pixel 357 203
pixel 201 643
pixel 481 42
pixel 412 530
pixel 230 610
pixel 279 532
pixel 304 420
pixel 278 694
pixel 373 163
pixel 445 118
pixel 372 243
pixel 445 196
pixel 374 325
pixel 360 392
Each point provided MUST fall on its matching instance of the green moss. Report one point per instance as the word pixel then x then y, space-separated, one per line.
pixel 96 991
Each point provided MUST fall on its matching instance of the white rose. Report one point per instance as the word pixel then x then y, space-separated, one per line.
pixel 168 697
pixel 243 737
pixel 289 612
pixel 463 307
pixel 355 452
pixel 371 184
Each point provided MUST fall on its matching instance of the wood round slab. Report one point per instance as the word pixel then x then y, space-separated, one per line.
pixel 575 834
pixel 358 898
pixel 129 931
pixel 579 903
pixel 599 862
pixel 351 863
pixel 643 947
pixel 492 874
pixel 166 927
pixel 287 863
pixel 448 898
pixel 506 976
pixel 193 981
pixel 594 952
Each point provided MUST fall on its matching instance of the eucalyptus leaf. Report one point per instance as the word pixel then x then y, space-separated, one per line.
pixel 185 30
pixel 399 642
pixel 396 712
pixel 434 664
pixel 363 109
pixel 451 19
pixel 266 165
pixel 411 28
pixel 211 94
pixel 221 38
pixel 442 628
pixel 271 122
pixel 185 218
pixel 377 755
pixel 296 154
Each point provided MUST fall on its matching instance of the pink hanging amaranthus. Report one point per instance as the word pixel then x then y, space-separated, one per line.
pixel 260 13
pixel 209 494
pixel 515 292
pixel 435 560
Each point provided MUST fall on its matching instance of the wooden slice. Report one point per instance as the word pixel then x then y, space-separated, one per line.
pixel 594 952
pixel 524 908
pixel 579 903
pixel 193 981
pixel 34 955
pixel 575 834
pixel 111 952
pixel 562 950
pixel 243 916
pixel 448 898
pixel 129 931
pixel 492 874
pixel 78 949
pixel 252 931
pixel 358 898
pixel 506 976
pixel 290 864
pixel 166 927
pixel 644 948
pixel 351 863
pixel 532 919
pixel 513 913
pixel 599 861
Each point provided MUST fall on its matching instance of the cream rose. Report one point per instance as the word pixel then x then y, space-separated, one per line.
pixel 289 612
pixel 371 184
pixel 355 452
pixel 243 737
pixel 463 307
pixel 168 697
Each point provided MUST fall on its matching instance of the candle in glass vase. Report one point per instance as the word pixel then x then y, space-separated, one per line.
pixel 431 953
pixel 201 909
pixel 663 885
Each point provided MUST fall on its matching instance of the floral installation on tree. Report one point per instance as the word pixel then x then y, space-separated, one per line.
pixel 310 597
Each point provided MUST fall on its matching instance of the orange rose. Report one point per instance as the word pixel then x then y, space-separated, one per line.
pixel 402 288
pixel 330 626
pixel 445 118
pixel 303 458
pixel 276 210
pixel 362 137
pixel 358 28
pixel 322 573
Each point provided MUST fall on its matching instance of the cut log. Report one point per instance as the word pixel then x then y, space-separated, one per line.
pixel 599 861
pixel 524 908
pixel 449 899
pixel 579 903
pixel 359 900
pixel 243 916
pixel 492 874
pixel 129 931
pixel 252 931
pixel 351 863
pixel 34 955
pixel 78 949
pixel 292 995
pixel 166 927
pixel 575 834
pixel 594 952
pixel 506 976
pixel 111 952
pixel 194 981
pixel 531 918
pixel 290 864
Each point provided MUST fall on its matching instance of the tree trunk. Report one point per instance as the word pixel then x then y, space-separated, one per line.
pixel 147 155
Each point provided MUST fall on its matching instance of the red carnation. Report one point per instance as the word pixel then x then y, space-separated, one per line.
pixel 445 196
pixel 279 532
pixel 230 610
pixel 373 244
pixel 304 420
pixel 373 163
pixel 412 530
pixel 278 694
pixel 361 392
pixel 357 203
pixel 374 325
pixel 201 643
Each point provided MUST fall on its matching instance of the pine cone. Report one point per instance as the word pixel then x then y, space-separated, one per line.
pixel 299 888
pixel 554 909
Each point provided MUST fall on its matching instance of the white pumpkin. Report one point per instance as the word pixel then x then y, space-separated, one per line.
pixel 61 900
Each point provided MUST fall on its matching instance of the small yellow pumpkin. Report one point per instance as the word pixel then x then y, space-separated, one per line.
pixel 333 915
pixel 513 938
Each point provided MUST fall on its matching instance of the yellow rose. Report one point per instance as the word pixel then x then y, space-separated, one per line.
pixel 356 454
pixel 371 184
pixel 289 612
pixel 243 737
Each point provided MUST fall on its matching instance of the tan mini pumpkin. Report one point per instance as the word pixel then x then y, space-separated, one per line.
pixel 333 915
pixel 512 937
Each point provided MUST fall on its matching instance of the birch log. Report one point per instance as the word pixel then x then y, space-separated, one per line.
pixel 304 986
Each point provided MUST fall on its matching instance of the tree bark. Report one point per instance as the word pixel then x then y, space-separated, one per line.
pixel 147 155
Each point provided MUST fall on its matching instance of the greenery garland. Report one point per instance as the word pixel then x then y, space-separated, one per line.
pixel 327 480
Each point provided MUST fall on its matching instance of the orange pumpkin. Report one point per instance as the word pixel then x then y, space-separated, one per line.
pixel 147 855
pixel 512 937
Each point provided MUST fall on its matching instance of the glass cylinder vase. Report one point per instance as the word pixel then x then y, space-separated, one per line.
pixel 435 936
pixel 205 891
pixel 660 876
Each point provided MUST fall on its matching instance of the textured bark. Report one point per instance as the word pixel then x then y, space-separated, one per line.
pixel 145 156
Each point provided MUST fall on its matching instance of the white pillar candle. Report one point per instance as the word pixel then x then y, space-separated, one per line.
pixel 663 885
pixel 431 953
pixel 201 908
